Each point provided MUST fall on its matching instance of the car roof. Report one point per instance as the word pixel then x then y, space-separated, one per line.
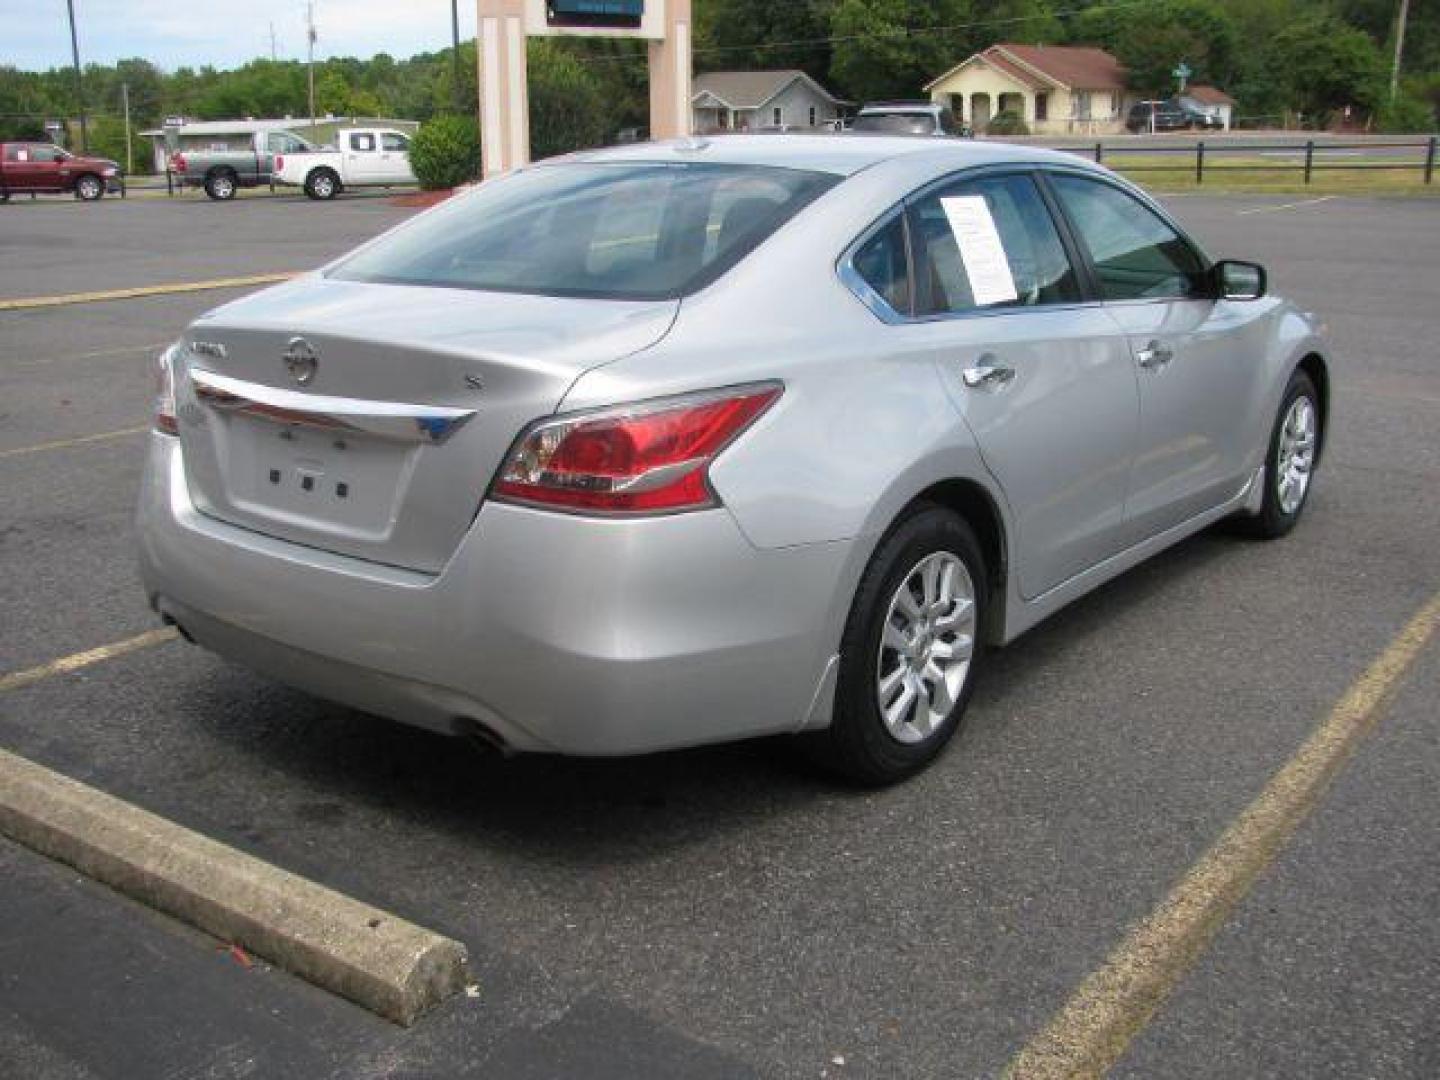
pixel 841 154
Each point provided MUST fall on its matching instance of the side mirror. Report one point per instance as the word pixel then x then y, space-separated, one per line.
pixel 1235 280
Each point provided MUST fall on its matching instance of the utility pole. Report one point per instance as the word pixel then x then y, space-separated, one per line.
pixel 455 57
pixel 274 52
pixel 1399 47
pixel 310 62
pixel 129 155
pixel 79 83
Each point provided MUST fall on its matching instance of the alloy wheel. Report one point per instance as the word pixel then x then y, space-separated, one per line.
pixel 925 647
pixel 1295 456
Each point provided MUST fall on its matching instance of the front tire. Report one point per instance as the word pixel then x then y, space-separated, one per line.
pixel 322 184
pixel 1290 460
pixel 221 185
pixel 89 188
pixel 910 653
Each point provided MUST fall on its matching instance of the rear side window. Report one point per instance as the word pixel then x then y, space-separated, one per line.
pixel 922 123
pixel 391 141
pixel 882 262
pixel 957 265
pixel 642 231
pixel 1136 254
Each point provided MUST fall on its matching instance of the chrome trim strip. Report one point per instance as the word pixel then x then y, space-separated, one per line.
pixel 394 420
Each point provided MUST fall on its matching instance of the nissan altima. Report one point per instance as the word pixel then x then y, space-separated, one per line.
pixel 687 442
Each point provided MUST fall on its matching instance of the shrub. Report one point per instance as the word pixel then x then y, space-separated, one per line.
pixel 1008 122
pixel 1406 115
pixel 445 152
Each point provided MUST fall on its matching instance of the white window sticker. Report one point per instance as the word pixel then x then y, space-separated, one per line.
pixel 991 281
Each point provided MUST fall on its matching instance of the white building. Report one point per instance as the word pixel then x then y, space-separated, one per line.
pixel 752 100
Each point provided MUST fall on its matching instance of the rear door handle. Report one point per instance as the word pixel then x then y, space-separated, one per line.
pixel 987 376
pixel 1154 356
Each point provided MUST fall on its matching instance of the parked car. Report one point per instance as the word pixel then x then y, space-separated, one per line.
pixel 1198 115
pixel 362 157
pixel 33 167
pixel 1156 116
pixel 684 442
pixel 222 173
pixel 908 118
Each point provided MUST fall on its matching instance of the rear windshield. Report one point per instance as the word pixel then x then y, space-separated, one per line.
pixel 896 123
pixel 641 231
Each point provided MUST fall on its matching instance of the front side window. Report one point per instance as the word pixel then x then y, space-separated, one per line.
pixel 1135 253
pixel 635 231
pixel 362 141
pixel 988 243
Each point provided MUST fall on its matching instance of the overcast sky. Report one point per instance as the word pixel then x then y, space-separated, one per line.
pixel 223 33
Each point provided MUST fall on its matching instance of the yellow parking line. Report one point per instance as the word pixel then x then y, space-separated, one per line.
pixel 61 444
pixel 27 302
pixel 75 662
pixel 1094 1028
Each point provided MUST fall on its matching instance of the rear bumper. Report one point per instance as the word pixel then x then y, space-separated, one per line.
pixel 556 633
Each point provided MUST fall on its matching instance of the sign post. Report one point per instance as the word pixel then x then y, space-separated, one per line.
pixel 504 26
pixel 1183 73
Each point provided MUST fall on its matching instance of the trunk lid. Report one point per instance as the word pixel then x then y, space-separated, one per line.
pixel 369 419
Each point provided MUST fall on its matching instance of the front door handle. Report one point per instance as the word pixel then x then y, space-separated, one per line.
pixel 1154 356
pixel 987 375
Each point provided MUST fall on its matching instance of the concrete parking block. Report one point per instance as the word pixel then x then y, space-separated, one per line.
pixel 388 965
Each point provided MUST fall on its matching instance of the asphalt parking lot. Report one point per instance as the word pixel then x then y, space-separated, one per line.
pixel 723 912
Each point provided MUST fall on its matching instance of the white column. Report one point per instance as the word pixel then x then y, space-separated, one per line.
pixel 670 75
pixel 504 97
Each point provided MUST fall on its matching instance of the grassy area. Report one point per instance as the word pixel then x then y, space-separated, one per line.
pixel 1228 174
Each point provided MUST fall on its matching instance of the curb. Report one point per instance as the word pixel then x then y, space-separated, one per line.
pixel 388 965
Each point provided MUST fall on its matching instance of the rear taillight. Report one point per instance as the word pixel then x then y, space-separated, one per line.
pixel 650 458
pixel 166 421
pixel 177 163
pixel 279 163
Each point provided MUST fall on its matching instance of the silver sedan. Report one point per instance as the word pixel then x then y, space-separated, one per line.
pixel 681 443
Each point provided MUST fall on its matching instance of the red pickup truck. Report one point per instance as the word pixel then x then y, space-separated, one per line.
pixel 37 167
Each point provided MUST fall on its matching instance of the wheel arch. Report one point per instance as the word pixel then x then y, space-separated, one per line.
pixel 1314 365
pixel 974 503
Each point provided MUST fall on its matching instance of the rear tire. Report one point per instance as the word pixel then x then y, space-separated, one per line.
pixel 89 187
pixel 911 651
pixel 221 185
pixel 322 184
pixel 1290 461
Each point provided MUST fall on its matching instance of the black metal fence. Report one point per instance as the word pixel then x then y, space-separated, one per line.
pixel 1310 156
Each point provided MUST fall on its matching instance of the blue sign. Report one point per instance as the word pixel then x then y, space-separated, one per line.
pixel 624 13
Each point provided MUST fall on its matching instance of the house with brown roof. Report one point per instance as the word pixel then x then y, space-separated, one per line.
pixel 1056 89
pixel 751 100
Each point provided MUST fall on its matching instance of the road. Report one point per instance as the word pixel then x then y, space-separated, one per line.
pixel 724 912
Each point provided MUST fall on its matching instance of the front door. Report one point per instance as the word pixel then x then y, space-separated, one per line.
pixel 1044 381
pixel 362 158
pixel 1196 358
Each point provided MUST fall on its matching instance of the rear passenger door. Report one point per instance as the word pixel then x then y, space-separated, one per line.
pixel 1042 378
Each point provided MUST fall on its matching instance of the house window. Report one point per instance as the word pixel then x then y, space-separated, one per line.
pixel 779 116
pixel 1042 106
pixel 1082 105
pixel 812 115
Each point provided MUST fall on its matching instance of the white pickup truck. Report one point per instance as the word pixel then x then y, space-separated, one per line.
pixel 362 157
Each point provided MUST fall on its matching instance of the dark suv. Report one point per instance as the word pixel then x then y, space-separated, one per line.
pixel 1156 116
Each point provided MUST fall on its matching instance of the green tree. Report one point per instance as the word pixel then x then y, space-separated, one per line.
pixel 1150 43
pixel 568 110
pixel 1326 65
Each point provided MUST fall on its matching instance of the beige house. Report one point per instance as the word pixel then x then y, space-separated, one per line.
pixel 1056 89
